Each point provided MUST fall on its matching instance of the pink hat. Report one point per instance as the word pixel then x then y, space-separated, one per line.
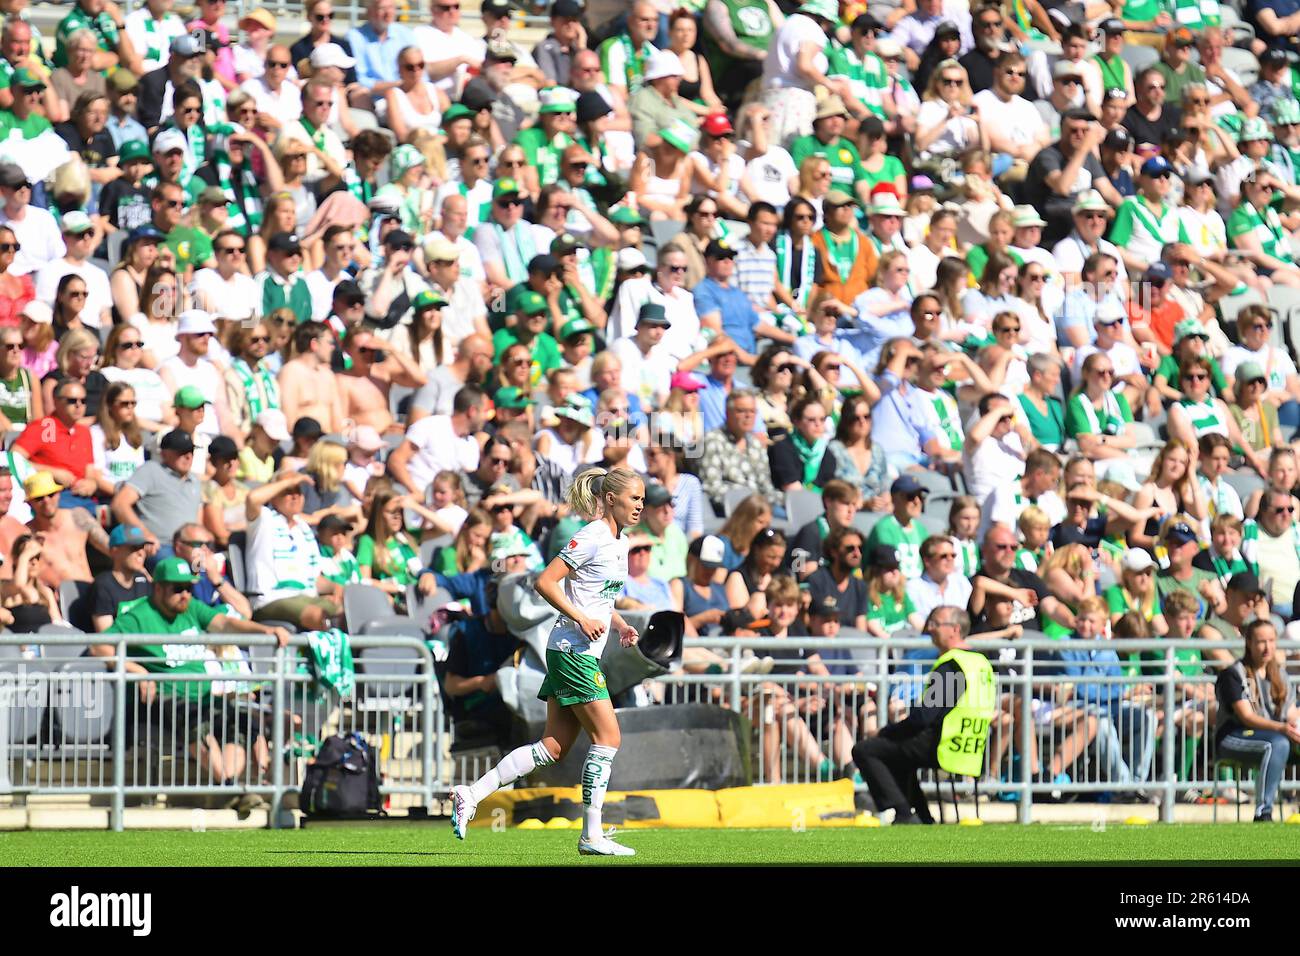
pixel 686 382
pixel 367 439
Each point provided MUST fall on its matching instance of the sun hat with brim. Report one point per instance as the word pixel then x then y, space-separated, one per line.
pixel 1090 200
pixel 511 397
pixel 1189 328
pixel 1248 372
pixel 838 197
pixel 833 105
pixel 133 150
pixel 261 16
pixel 663 64
pixel 680 136
pixel 404 157
pixel 195 322
pixel 76 222
pixel 189 396
pixel 886 204
pixel 826 9
pixel 576 409
pixel 1285 111
pixel 1254 129
pixel 556 99
pixel 174 571
pixel 506 187
pixel 574 327
pixel 428 299
pixel 1025 217
pixel 508 545
pixel 457 111
pixel 41 484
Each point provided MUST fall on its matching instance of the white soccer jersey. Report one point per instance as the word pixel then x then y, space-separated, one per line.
pixel 599 563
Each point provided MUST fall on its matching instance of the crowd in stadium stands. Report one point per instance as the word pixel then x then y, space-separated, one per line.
pixel 1003 286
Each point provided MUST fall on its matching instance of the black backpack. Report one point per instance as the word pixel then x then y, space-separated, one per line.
pixel 343 780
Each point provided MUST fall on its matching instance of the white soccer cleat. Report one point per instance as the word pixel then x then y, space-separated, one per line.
pixel 603 846
pixel 463 808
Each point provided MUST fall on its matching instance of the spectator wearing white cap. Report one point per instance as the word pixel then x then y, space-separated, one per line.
pixel 657 105
pixel 466 312
pixel 1091 215
pixel 191 366
pixel 38 234
pixel 79 237
pixel 796 65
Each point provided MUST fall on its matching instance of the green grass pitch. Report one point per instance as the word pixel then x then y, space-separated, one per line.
pixel 430 844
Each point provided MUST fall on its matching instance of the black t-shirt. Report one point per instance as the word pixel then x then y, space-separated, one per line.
pixel 476 651
pixel 106 594
pixel 125 205
pixel 1230 687
pixel 1144 130
pixel 1055 207
pixel 852 600
pixel 96 151
pixel 786 466
pixel 301 50
pixel 807 544
pixel 932 707
pixel 1020 614
pixel 96 385
pixel 1091 535
pixel 979 69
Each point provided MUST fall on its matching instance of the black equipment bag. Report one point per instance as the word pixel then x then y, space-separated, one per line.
pixel 343 780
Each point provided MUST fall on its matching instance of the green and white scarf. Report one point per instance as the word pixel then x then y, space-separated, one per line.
pixel 843 255
pixel 259 386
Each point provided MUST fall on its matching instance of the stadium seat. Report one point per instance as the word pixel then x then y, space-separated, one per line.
pixel 938 506
pixel 1139 57
pixel 430 547
pixel 25 712
pixel 933 525
pixel 936 483
pixel 803 506
pixel 82 702
pixel 1230 305
pixel 419 608
pixel 733 497
pixel 864 521
pixel 387 661
pixel 1244 482
pixel 74 603
pixel 235 550
pixel 369 611
pixel 1242 62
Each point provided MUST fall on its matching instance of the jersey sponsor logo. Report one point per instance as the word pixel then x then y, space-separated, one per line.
pixel 598 679
pixel 846 156
pixel 573 543
pixel 611 589
pixel 563 646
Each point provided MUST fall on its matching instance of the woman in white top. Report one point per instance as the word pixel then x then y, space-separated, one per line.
pixel 115 438
pixel 944 125
pixel 661 178
pixel 996 292
pixel 123 354
pixel 156 320
pixel 414 103
pixel 581 582
pixel 1037 330
pixel 796 65
pixel 716 168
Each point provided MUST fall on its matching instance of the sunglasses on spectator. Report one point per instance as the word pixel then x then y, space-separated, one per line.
pixel 129 345
pixel 180 588
pixel 1195 377
pixel 10 246
pixel 507 203
pixel 277 64
pixel 322 17
pixel 640 548
pixel 413 66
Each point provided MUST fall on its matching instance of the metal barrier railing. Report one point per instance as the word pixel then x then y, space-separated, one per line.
pixel 1055 733
pixel 71 723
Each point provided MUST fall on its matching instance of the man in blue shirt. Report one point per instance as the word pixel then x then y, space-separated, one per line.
pixel 717 300
pixel 903 426
pixel 375 45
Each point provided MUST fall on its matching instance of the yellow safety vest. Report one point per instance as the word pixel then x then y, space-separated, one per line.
pixel 966 727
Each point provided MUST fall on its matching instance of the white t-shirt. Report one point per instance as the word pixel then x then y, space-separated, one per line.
pixel 599 563
pixel 476 197
pixel 158 337
pixel 279 552
pixel 233 298
pixel 322 293
pixel 151 392
pixel 1206 230
pixel 1071 253
pixel 1005 503
pixel 437 45
pixel 1121 355
pixel 735 169
pixel 284 104
pixel 769 176
pixel 993 462
pixel 1276 363
pixel 99 295
pixel 471 260
pixel 779 66
pixel 204 376
pixel 438 449
pixel 645 376
pixel 38 235
pixel 1017 118
pixel 153 45
pixel 119 463
pixel 959 133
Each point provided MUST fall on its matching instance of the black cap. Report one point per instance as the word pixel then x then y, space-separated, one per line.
pixel 544 262
pixel 284 242
pixel 866 22
pixel 1273 57
pixel 946 29
pixel 652 313
pixel 476 98
pixel 1118 138
pixel 332 524
pixel 591 106
pixel 825 605
pixel 568 8
pixel 399 239
pixel 1245 583
pixel 884 556
pixel 718 249
pixel 565 244
pixel 12 175
pixel 307 427
pixel 349 292
pixel 499 8
pixel 177 441
pixel 223 447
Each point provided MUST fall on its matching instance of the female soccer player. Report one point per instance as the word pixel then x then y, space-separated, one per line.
pixel 593 567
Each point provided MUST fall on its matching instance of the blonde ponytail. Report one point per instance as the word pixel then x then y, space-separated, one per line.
pixel 586 495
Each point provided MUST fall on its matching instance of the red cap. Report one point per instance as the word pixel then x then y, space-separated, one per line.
pixel 717 124
pixel 686 382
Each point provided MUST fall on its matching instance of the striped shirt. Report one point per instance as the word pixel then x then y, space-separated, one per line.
pixel 756 274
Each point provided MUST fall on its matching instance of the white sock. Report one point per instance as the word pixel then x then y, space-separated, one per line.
pixel 518 763
pixel 595 781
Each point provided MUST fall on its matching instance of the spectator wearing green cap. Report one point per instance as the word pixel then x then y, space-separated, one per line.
pixel 532 316
pixel 1285 154
pixel 505 242
pixel 406 168
pixel 25 115
pixel 1190 341
pixel 546 142
pixel 1256 418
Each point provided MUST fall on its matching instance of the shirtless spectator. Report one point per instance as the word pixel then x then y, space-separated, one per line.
pixel 65 531
pixel 307 385
pixel 375 369
pixel 10 527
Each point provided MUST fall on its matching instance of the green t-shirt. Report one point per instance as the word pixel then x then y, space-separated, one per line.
pixel 1081 418
pixel 34 125
pixel 16 396
pixel 890 171
pixel 546 352
pixel 403 561
pixel 179 658
pixel 846 164
pixel 1175 82
pixel 542 154
pixel 1167 584
pixel 1143 11
pixel 192 247
pixel 1168 368
pixel 890 614
pixel 907 542
pixel 444 562
pixel 977 257
pixel 1118 603
pixel 1265 226
pixel 1188 658
pixel 1146 232
pixel 1048 428
pixel 101 24
pixel 668 554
